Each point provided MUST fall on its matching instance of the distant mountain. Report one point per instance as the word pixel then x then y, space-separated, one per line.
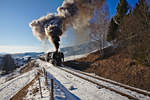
pixel 81 49
pixel 22 58
pixel 28 54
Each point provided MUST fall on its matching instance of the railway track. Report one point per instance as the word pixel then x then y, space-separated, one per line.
pixel 82 75
pixel 146 93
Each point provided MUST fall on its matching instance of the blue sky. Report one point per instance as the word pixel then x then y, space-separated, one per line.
pixel 16 15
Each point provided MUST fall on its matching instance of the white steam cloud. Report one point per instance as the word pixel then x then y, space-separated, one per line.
pixel 72 13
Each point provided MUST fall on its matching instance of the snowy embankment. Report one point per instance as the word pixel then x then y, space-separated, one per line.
pixel 116 87
pixel 78 88
pixel 7 77
pixel 82 48
pixel 10 88
pixel 75 57
pixel 34 92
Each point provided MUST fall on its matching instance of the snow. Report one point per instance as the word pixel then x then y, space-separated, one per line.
pixel 93 74
pixel 22 58
pixel 85 90
pixel 15 73
pixel 79 49
pixel 78 54
pixel 75 57
pixel 28 54
pixel 36 96
pixel 10 88
pixel 134 94
pixel 82 89
pixel 66 85
pixel 11 83
pixel 60 92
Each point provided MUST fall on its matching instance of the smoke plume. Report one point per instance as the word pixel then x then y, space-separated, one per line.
pixel 72 13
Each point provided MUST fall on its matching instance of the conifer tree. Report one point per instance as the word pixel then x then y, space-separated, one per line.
pixel 112 30
pixel 122 10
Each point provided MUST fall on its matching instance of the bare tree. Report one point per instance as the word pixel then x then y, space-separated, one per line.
pixel 99 28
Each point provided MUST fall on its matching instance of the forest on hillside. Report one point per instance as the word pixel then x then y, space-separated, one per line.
pixel 128 30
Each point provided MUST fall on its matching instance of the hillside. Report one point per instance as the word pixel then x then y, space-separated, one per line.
pixel 118 67
pixel 80 49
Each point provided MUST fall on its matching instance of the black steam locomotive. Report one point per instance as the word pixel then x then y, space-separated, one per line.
pixel 55 58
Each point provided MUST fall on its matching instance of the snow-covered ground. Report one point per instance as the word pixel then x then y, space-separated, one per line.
pixel 79 49
pixel 7 77
pixel 10 88
pixel 121 89
pixel 85 90
pixel 66 85
pixel 20 60
pixel 75 57
pixel 28 54
pixel 79 88
pixel 34 94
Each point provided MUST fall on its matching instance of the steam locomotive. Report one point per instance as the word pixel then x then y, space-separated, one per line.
pixel 56 58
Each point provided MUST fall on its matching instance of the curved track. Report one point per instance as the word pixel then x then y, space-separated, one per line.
pixel 128 88
pixel 115 83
